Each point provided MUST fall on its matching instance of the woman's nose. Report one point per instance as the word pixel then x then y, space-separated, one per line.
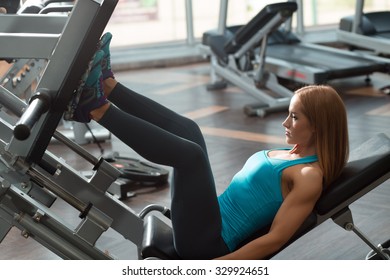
pixel 285 123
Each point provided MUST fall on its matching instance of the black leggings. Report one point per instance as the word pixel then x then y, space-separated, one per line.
pixel 164 137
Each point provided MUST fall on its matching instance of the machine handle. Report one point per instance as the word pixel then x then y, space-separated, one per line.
pixel 39 104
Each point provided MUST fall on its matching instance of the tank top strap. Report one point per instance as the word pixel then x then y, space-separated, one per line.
pixel 281 164
pixel 287 163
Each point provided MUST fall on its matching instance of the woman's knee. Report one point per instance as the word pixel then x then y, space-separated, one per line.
pixel 194 133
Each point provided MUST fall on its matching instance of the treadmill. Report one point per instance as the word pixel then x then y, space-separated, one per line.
pixel 306 63
pixel 291 59
pixel 366 30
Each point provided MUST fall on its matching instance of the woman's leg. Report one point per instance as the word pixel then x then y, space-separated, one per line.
pixel 149 110
pixel 142 107
pixel 195 212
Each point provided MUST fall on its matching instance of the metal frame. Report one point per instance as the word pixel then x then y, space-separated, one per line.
pixel 36 36
pixel 342 216
pixel 32 178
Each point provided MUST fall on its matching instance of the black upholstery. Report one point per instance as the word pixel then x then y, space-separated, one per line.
pixel 233 39
pixel 357 178
pixel 381 22
pixel 246 32
pixel 365 28
pixel 229 31
pixel 282 37
pixel 158 240
pixel 11 6
pixel 372 24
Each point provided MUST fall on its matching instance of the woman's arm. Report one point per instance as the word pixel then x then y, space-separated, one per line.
pixel 296 207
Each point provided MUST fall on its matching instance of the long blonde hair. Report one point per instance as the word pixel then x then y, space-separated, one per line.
pixel 326 112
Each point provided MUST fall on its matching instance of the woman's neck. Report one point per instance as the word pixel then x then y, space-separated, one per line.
pixel 302 151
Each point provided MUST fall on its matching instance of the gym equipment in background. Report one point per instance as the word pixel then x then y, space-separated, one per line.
pixel 366 30
pixel 264 55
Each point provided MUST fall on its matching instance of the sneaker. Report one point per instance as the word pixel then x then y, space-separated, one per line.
pixel 104 45
pixel 90 95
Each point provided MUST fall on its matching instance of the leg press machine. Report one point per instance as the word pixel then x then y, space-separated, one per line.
pixel 32 178
pixel 23 73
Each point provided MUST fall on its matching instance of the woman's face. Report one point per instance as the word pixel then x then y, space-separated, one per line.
pixel 298 130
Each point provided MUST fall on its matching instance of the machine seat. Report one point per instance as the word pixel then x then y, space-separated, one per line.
pixel 158 240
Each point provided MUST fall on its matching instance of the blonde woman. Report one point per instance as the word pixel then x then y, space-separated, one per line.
pixel 278 186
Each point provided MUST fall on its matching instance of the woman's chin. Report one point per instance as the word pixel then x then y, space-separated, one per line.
pixel 288 141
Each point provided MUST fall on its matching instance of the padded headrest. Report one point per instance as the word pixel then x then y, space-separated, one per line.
pixel 358 174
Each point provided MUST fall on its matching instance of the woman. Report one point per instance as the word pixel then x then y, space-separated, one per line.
pixel 279 186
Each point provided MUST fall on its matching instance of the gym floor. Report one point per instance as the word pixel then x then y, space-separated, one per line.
pixel 232 137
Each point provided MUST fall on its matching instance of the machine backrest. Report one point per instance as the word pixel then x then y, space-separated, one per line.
pixel 246 32
pixel 358 175
pixel 236 37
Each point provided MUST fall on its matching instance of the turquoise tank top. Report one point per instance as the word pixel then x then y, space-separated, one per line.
pixel 254 196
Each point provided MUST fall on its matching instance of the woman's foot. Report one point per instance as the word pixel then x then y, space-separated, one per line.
pixel 104 45
pixel 92 95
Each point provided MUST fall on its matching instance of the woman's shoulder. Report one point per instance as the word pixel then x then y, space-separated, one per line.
pixel 307 182
pixel 311 171
pixel 308 175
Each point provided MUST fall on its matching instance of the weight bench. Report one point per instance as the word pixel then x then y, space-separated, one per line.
pixel 233 59
pixel 360 176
